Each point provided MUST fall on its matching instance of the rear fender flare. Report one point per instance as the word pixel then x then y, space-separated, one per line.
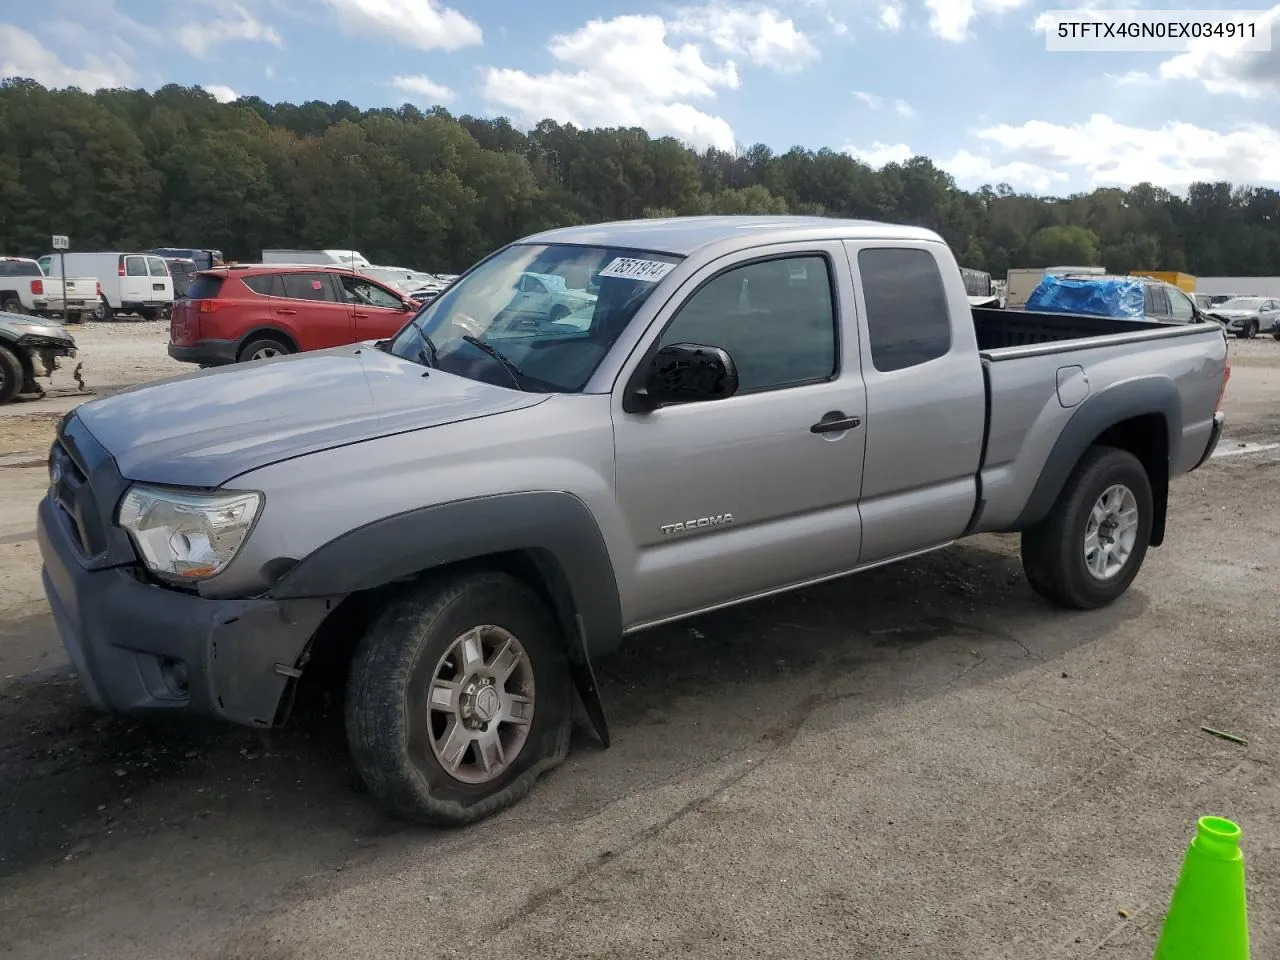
pixel 1100 412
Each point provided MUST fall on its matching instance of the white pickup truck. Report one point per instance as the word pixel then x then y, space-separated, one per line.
pixel 25 288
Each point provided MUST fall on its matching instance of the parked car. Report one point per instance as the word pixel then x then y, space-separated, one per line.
pixel 256 311
pixel 183 271
pixel 351 259
pixel 1247 316
pixel 29 348
pixel 205 259
pixel 1120 298
pixel 128 282
pixel 24 288
pixel 758 404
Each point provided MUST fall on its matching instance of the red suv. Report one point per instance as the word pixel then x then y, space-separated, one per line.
pixel 261 310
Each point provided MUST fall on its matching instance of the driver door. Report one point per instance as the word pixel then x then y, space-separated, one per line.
pixel 748 498
pixel 376 311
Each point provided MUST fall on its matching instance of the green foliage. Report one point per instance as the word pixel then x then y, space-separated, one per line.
pixel 128 168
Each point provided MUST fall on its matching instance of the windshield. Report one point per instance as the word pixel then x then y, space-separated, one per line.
pixel 540 317
pixel 1241 303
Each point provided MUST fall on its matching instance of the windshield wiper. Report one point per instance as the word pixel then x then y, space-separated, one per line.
pixel 493 351
pixel 426 349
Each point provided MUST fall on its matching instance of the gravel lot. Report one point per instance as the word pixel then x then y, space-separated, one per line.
pixel 920 762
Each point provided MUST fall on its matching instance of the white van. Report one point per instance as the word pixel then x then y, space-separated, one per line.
pixel 131 282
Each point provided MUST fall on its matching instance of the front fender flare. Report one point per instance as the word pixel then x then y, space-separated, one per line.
pixel 550 526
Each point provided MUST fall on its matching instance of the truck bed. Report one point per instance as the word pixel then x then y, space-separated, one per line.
pixel 998 329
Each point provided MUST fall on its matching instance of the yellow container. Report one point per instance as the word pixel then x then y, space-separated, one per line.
pixel 1183 281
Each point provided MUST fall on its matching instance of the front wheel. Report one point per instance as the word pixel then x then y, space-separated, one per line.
pixel 1253 330
pixel 459 698
pixel 1088 550
pixel 12 376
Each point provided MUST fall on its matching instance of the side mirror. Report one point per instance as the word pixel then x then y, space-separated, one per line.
pixel 684 373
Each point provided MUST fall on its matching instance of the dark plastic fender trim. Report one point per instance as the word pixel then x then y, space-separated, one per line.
pixel 1098 413
pixel 547 524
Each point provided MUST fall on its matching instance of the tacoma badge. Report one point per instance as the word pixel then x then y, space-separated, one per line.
pixel 717 520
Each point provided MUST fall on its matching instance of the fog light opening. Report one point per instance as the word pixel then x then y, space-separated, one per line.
pixel 174 674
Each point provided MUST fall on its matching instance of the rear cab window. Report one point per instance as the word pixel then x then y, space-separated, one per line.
pixel 907 314
pixel 20 268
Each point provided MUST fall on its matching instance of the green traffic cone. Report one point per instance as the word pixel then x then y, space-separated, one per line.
pixel 1206 918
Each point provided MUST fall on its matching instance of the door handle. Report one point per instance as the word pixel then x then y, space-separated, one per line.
pixel 286 311
pixel 359 314
pixel 834 422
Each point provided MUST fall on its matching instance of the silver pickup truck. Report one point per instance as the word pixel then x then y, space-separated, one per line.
pixel 487 503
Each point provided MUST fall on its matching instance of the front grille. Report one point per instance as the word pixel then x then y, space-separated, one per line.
pixel 72 495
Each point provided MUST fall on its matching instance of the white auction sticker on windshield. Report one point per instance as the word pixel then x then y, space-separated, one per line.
pixel 629 268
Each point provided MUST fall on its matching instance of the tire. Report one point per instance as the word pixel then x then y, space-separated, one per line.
pixel 75 317
pixel 1276 335
pixel 396 740
pixel 12 376
pixel 1252 330
pixel 263 348
pixel 1054 551
pixel 558 313
pixel 104 311
pixel 13 305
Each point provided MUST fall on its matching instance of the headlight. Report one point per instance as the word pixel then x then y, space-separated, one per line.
pixel 187 536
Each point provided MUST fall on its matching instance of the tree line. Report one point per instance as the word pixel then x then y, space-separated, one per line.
pixel 136 169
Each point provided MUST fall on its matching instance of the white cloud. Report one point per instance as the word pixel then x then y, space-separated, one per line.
pixel 622 72
pixel 973 170
pixel 876 102
pixel 951 19
pixel 421 24
pixel 1103 151
pixel 22 55
pixel 424 88
pixel 891 18
pixel 200 33
pixel 221 92
pixel 881 153
pixel 1131 78
pixel 759 34
pixel 1221 66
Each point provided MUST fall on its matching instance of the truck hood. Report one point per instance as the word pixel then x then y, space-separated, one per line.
pixel 205 428
pixel 1233 314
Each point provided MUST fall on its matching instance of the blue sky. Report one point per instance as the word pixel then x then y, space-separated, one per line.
pixel 967 83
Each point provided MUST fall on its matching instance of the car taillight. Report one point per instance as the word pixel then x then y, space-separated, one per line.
pixel 37 286
pixel 98 285
pixel 208 306
pixel 120 268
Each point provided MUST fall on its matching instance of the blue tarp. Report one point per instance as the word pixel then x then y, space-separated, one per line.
pixel 1119 297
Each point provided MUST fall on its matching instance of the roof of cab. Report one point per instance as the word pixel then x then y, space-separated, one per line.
pixel 681 236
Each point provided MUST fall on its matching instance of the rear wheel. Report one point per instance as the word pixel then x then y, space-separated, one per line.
pixel 11 374
pixel 1088 550
pixel 12 305
pixel 459 698
pixel 263 348
pixel 104 311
